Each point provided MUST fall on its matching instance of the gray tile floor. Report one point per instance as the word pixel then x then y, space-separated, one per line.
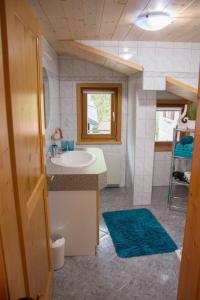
pixel 108 277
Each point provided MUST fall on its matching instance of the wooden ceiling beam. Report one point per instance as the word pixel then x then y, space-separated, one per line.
pixel 181 89
pixel 100 57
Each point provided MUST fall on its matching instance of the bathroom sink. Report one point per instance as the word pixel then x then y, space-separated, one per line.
pixel 74 159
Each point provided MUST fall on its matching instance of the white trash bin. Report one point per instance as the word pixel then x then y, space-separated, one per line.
pixel 58 252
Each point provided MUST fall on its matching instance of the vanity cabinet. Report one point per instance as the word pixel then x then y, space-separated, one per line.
pixel 74 215
pixel 74 204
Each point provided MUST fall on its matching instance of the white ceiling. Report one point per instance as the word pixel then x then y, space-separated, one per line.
pixel 113 20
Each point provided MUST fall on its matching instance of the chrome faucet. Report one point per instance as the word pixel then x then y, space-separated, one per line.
pixel 53 150
pixel 56 137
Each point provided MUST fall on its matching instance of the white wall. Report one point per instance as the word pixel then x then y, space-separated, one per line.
pixel 50 63
pixel 134 84
pixel 161 168
pixel 159 59
pixel 144 146
pixel 72 71
pixel 63 74
pixel 180 60
pixel 140 140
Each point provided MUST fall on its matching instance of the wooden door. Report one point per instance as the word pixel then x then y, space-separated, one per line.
pixel 26 134
pixel 189 280
pixel 10 249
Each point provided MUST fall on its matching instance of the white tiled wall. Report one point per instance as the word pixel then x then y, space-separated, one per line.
pixel 144 146
pixel 72 71
pixel 160 59
pixel 134 84
pixel 161 170
pixel 141 166
pixel 140 141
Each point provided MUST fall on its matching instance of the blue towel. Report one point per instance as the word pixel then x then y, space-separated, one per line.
pixel 187 140
pixel 187 147
pixel 184 150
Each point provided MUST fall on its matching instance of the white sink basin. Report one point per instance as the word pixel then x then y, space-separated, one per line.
pixel 74 159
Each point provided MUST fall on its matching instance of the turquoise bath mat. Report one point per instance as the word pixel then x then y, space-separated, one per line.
pixel 136 232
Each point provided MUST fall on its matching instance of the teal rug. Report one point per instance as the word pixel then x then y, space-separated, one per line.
pixel 136 232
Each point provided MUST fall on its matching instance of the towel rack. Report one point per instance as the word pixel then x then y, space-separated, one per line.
pixel 178 190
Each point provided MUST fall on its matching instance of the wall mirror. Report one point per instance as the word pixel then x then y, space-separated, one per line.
pixel 46 98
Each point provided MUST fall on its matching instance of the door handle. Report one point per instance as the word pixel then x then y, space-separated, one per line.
pixel 50 178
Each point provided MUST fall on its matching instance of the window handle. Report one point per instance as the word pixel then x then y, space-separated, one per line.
pixel 113 116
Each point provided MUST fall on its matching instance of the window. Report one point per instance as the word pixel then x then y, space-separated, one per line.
pixel 166 121
pixel 99 113
pixel 167 115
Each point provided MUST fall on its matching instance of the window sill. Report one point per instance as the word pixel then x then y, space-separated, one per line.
pixel 163 146
pixel 99 142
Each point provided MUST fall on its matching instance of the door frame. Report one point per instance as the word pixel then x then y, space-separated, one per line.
pixel 189 277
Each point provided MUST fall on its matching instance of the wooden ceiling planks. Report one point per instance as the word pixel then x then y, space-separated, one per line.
pixel 100 57
pixel 125 23
pixel 181 89
pixel 114 19
pixel 112 13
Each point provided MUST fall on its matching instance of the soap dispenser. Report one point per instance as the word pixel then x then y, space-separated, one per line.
pixel 57 136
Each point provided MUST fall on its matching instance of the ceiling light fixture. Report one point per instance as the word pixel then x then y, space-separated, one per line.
pixel 153 21
pixel 126 55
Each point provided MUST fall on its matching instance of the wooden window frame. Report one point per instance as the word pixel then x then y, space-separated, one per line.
pixel 115 136
pixel 167 146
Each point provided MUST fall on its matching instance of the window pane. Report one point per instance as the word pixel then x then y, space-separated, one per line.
pixel 99 113
pixel 166 121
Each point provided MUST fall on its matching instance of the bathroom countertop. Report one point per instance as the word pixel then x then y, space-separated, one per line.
pixel 93 177
pixel 98 167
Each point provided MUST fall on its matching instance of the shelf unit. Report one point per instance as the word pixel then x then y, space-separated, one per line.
pixel 178 201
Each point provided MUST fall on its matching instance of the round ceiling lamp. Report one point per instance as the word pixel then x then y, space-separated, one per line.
pixel 153 21
pixel 126 54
